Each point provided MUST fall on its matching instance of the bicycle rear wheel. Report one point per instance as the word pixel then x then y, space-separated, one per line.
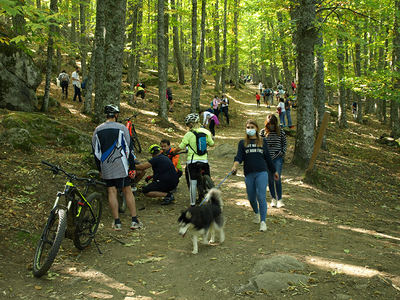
pixel 204 184
pixel 121 202
pixel 50 241
pixel 135 140
pixel 88 221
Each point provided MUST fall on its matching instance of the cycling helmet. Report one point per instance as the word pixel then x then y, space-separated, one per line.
pixel 154 149
pixel 192 118
pixel 111 109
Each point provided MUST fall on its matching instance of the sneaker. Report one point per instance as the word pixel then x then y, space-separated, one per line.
pixel 273 202
pixel 116 227
pixel 263 226
pixel 256 218
pixel 280 204
pixel 136 225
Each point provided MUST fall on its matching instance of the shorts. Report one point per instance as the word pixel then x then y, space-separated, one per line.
pixel 159 186
pixel 196 168
pixel 119 183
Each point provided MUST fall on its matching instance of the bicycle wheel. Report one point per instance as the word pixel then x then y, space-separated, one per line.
pixel 135 139
pixel 50 241
pixel 204 184
pixel 88 221
pixel 121 202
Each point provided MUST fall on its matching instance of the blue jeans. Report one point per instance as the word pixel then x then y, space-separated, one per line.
pixel 282 118
pixel 256 187
pixel 289 118
pixel 272 184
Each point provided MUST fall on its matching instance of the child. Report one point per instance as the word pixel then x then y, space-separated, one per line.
pixel 258 99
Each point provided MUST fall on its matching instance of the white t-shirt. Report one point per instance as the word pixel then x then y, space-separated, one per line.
pixel 282 106
pixel 206 117
pixel 260 86
pixel 75 79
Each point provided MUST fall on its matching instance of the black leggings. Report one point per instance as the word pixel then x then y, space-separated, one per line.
pixel 225 112
pixel 212 127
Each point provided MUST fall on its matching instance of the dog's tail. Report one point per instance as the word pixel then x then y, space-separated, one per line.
pixel 214 197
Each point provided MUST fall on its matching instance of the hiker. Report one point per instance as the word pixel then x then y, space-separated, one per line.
pixel 258 100
pixel 211 120
pixel 288 105
pixel 260 87
pixel 225 108
pixel 76 82
pixel 281 111
pixel 64 81
pixel 170 99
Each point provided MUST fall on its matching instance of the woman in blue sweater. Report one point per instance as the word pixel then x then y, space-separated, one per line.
pixel 253 151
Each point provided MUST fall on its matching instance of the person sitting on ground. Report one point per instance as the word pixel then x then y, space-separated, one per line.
pixel 165 179
pixel 139 90
pixel 64 81
pixel 197 161
pixel 114 157
pixel 169 152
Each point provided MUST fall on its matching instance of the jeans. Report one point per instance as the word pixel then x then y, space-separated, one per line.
pixel 225 112
pixel 289 118
pixel 77 92
pixel 272 184
pixel 256 187
pixel 282 118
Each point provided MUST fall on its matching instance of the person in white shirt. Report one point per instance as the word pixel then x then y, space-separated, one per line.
pixel 282 111
pixel 211 120
pixel 224 108
pixel 76 82
pixel 260 87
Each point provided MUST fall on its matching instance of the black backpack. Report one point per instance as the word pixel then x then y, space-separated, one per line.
pixel 201 143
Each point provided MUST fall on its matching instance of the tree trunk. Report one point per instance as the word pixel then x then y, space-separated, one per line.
pixel 133 15
pixel 342 89
pixel 49 60
pixel 162 66
pixel 394 107
pixel 83 47
pixel 224 53
pixel 357 64
pixel 217 69
pixel 18 21
pixel 305 41
pixel 263 75
pixel 175 39
pixel 73 23
pixel 87 107
pixel 235 69
pixel 284 54
pixel 139 36
pixel 320 94
pixel 201 56
pixel 194 104
pixel 99 59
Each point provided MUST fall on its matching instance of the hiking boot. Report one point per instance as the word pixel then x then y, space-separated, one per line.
pixel 273 202
pixel 280 204
pixel 263 226
pixel 116 227
pixel 136 225
pixel 256 218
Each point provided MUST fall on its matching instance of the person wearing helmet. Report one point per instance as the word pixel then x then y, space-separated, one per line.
pixel 164 179
pixel 113 152
pixel 197 160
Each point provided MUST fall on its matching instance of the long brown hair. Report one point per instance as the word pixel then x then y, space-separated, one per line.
pixel 272 120
pixel 259 141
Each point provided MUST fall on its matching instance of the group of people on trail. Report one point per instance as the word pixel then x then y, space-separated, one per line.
pixel 64 80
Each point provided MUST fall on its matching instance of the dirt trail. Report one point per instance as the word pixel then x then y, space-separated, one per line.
pixel 345 257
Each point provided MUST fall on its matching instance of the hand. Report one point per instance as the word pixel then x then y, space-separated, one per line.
pixel 276 176
pixel 132 174
pixel 234 171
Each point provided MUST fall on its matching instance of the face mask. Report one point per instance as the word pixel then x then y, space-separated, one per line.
pixel 251 132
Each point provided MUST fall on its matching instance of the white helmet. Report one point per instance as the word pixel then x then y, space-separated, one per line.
pixel 192 118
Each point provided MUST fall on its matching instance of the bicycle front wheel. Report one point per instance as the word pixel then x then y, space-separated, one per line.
pixel 50 241
pixel 135 140
pixel 88 221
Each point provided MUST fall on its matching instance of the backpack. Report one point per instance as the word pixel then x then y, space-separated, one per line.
pixel 268 92
pixel 201 143
pixel 63 77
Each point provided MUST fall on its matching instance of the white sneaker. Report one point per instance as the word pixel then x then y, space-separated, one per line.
pixel 256 218
pixel 263 226
pixel 116 227
pixel 273 202
pixel 280 204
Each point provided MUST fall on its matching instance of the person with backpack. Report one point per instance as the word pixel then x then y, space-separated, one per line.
pixel 113 153
pixel 76 82
pixel 140 90
pixel 196 140
pixel 267 96
pixel 225 108
pixel 215 105
pixel 211 120
pixel 253 152
pixel 288 105
pixel 64 81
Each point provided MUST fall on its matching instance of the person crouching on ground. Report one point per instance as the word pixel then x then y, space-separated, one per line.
pixel 165 178
pixel 114 157
pixel 253 151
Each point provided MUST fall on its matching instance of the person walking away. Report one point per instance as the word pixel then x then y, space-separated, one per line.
pixel 253 152
pixel 281 111
pixel 169 152
pixel 165 178
pixel 294 87
pixel 288 105
pixel 76 82
pixel 64 81
pixel 225 108
pixel 260 87
pixel 196 140
pixel 140 91
pixel 114 157
pixel 215 104
pixel 211 120
pixel 258 100
pixel 170 99
pixel 268 97
pixel 276 140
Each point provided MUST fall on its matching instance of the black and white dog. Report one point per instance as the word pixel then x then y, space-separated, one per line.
pixel 204 219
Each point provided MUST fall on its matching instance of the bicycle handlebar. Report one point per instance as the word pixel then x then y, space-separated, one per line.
pixel 129 118
pixel 56 169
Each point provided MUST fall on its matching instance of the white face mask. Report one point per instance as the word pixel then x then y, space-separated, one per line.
pixel 251 132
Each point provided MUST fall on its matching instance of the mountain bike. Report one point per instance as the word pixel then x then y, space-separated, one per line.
pixel 131 128
pixel 78 218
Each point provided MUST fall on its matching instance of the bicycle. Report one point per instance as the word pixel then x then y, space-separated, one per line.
pixel 132 132
pixel 78 219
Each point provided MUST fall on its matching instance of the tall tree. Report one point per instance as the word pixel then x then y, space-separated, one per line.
pixel 175 40
pixel 217 75
pixel 357 69
pixel 284 51
pixel 162 66
pixel 305 39
pixel 194 103
pixel 235 69
pixel 224 53
pixel 320 94
pixel 394 106
pixel 83 6
pixel 99 59
pixel 201 55
pixel 342 119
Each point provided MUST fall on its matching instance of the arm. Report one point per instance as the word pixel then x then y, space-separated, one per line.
pixel 268 159
pixel 143 166
pixel 239 157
